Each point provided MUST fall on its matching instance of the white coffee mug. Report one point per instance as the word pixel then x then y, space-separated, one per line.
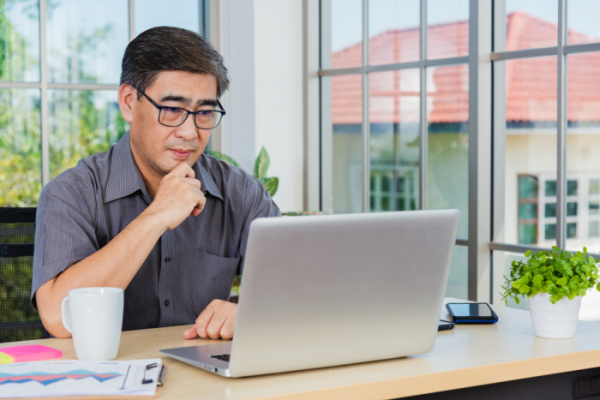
pixel 94 316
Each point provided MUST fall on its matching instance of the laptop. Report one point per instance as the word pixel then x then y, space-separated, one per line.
pixel 321 291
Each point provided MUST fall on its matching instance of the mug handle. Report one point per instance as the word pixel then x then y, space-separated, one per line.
pixel 65 314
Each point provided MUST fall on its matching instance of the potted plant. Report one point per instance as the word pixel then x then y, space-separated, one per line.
pixel 554 283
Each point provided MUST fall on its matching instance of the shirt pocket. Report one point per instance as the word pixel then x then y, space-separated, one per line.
pixel 214 280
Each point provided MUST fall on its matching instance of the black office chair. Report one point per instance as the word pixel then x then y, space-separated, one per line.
pixel 18 319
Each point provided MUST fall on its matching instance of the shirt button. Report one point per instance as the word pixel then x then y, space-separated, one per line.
pixel 166 303
pixel 167 259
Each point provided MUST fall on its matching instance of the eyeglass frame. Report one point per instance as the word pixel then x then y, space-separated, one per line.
pixel 160 108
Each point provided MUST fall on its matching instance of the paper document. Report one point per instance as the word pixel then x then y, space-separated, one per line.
pixel 68 378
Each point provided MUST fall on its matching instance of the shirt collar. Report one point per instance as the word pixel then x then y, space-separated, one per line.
pixel 124 177
pixel 206 180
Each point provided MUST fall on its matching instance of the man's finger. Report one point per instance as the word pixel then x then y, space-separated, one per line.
pixel 190 173
pixel 216 323
pixel 182 169
pixel 203 321
pixel 227 328
pixel 190 333
pixel 193 182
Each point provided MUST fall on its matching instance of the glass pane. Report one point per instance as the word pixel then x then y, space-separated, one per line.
pixel 550 231
pixel 394 118
pixel 447 28
pixel 572 230
pixel 458 279
pixel 528 211
pixel 20 41
pixel 583 147
pixel 82 123
pixel 582 21
pixel 531 24
pixel 342 46
pixel 550 188
pixel 347 153
pixel 550 210
pixel 20 148
pixel 448 140
pixel 528 187
pixel 151 13
pixel 530 150
pixel 86 40
pixel 571 188
pixel 393 31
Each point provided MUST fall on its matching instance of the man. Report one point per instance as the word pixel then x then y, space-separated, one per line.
pixel 153 215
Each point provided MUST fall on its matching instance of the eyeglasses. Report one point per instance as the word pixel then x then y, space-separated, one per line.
pixel 175 116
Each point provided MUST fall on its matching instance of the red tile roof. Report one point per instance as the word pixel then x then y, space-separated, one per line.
pixel 530 83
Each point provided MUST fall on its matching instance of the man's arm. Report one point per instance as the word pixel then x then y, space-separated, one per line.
pixel 116 264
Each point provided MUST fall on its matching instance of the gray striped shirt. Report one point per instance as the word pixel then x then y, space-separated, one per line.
pixel 85 207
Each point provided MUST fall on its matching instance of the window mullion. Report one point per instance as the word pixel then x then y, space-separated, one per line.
pixel 365 111
pixel 561 181
pixel 44 128
pixel 423 109
pixel 131 20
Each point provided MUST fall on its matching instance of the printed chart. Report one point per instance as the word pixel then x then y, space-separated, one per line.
pixel 62 378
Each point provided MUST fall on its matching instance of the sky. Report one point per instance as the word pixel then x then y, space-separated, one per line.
pixel 346 18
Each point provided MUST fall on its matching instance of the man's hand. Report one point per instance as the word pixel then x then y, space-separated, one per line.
pixel 178 196
pixel 216 321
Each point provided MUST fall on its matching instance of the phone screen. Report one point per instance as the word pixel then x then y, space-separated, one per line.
pixel 471 310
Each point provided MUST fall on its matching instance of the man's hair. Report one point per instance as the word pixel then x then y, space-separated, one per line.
pixel 165 48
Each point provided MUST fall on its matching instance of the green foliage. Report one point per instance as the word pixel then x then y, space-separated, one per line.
pixel 261 164
pixel 222 157
pixel 260 168
pixel 560 274
pixel 237 282
pixel 302 213
pixel 270 184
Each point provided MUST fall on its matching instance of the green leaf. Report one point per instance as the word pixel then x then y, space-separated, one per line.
pixel 262 164
pixel 237 282
pixel 538 278
pixel 222 157
pixel 562 281
pixel 302 213
pixel 270 184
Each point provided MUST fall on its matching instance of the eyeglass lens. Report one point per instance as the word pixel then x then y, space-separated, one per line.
pixel 172 116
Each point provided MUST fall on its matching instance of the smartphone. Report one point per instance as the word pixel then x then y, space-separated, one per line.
pixel 445 325
pixel 472 313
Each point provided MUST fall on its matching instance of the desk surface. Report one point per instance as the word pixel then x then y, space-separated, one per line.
pixel 469 355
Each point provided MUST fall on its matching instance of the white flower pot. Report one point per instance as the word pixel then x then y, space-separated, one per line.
pixel 554 321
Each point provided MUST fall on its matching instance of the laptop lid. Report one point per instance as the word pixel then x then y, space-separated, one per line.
pixel 321 291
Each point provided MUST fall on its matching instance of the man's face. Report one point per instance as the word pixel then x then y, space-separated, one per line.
pixel 160 148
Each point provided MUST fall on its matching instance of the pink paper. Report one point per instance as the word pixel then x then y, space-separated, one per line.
pixel 31 352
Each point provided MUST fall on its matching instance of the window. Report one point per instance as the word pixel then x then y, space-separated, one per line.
pixel 58 96
pixel 408 111
pixel 394 109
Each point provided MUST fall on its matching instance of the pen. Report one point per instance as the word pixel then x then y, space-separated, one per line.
pixel 161 376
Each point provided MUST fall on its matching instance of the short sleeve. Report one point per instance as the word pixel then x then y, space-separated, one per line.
pixel 65 231
pixel 259 205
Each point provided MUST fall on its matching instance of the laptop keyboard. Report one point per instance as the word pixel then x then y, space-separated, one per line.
pixel 222 357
